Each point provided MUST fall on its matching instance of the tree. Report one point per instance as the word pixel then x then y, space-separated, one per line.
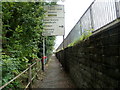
pixel 21 36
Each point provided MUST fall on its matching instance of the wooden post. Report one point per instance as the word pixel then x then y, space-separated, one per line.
pixel 37 67
pixel 30 77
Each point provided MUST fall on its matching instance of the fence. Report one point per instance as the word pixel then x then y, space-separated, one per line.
pixel 99 14
pixel 31 72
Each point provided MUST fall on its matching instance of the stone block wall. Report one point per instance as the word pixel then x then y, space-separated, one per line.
pixel 95 62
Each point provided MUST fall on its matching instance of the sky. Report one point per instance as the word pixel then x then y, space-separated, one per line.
pixel 74 9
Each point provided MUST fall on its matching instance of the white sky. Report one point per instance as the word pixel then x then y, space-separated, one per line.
pixel 74 9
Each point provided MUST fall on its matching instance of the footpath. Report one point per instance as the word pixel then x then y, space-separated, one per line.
pixel 54 76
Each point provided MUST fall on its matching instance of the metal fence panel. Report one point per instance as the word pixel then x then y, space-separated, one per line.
pixel 117 3
pixel 75 34
pixel 86 22
pixel 100 13
pixel 119 7
pixel 103 13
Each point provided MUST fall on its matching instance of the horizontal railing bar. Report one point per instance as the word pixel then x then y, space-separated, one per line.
pixel 32 64
pixel 27 86
pixel 31 81
pixel 16 76
pixel 13 79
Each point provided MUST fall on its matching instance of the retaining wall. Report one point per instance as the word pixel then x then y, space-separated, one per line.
pixel 95 62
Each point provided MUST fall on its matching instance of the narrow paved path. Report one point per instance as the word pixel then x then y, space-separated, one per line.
pixel 55 77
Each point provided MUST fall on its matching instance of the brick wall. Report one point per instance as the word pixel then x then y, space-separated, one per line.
pixel 95 62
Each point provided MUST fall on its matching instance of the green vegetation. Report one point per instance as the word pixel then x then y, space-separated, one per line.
pixel 22 38
pixel 85 35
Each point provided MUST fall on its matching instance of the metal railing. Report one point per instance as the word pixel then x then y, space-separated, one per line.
pixel 31 74
pixel 98 14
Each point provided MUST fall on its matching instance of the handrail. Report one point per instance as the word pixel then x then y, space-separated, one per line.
pixel 19 76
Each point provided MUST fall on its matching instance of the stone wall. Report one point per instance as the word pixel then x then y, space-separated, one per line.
pixel 95 62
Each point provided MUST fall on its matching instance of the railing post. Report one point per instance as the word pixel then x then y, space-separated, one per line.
pixel 91 16
pixel 80 27
pixel 117 6
pixel 37 64
pixel 30 77
pixel 37 67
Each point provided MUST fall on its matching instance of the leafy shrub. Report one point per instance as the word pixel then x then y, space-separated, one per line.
pixel 22 38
